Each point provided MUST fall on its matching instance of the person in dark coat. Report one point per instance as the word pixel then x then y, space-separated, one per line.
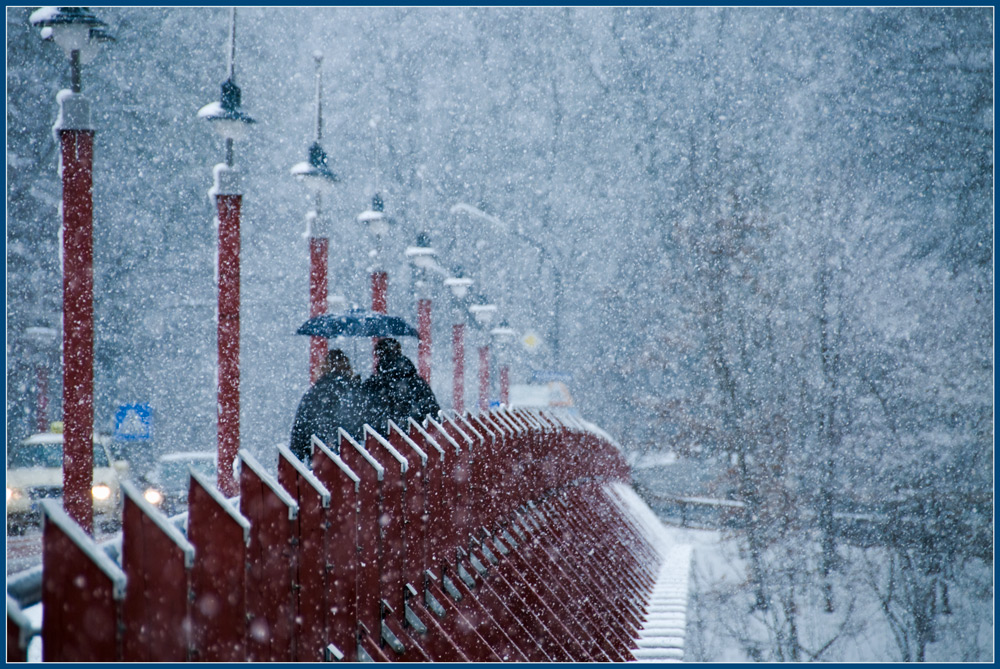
pixel 335 400
pixel 395 391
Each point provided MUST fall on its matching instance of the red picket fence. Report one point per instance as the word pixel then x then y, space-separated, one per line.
pixel 490 537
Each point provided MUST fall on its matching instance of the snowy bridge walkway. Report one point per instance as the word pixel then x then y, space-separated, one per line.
pixel 506 536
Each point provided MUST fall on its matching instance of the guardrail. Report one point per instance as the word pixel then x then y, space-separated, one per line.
pixel 483 537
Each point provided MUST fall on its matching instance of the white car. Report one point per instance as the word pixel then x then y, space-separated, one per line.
pixel 34 472
pixel 166 487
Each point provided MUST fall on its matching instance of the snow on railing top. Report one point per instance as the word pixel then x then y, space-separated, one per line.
pixel 477 438
pixel 227 505
pixel 444 434
pixel 430 440
pixel 306 473
pixel 248 459
pixel 57 516
pixel 403 463
pixel 379 469
pixel 412 444
pixel 318 443
pixel 464 432
pixel 161 521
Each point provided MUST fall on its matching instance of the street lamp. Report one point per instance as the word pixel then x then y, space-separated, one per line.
pixel 483 313
pixel 503 334
pixel 459 286
pixel 421 257
pixel 78 32
pixel 226 117
pixel 317 176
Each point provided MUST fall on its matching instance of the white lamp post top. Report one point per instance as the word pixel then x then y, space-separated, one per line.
pixel 225 115
pixel 73 29
pixel 375 218
pixel 315 172
pixel 503 333
pixel 421 256
pixel 483 313
pixel 459 286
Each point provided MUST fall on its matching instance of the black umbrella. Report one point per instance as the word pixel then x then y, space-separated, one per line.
pixel 356 323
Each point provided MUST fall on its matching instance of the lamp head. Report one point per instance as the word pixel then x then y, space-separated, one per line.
pixel 503 333
pixel 225 115
pixel 315 172
pixel 375 218
pixel 459 286
pixel 483 313
pixel 422 255
pixel 73 29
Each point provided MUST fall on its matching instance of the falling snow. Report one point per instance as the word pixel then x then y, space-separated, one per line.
pixel 754 244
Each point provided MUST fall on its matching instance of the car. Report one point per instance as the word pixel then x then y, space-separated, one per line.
pixel 540 395
pixel 34 472
pixel 166 486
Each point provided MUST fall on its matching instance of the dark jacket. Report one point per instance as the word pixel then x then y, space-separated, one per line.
pixel 335 400
pixel 396 392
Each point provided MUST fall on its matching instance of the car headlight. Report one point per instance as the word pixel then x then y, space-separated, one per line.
pixel 13 494
pixel 101 492
pixel 153 496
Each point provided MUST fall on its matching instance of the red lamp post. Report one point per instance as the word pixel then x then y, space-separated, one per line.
pixel 504 385
pixel 77 31
pixel 503 334
pixel 484 314
pixel 319 252
pixel 459 286
pixel 316 174
pixel 458 360
pixel 484 378
pixel 231 123
pixel 424 343
pixel 421 258
pixel 378 223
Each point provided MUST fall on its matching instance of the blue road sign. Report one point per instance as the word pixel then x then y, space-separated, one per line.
pixel 134 422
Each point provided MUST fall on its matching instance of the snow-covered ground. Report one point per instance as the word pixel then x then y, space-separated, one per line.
pixel 722 628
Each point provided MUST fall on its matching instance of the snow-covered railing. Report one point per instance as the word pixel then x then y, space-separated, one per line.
pixel 484 537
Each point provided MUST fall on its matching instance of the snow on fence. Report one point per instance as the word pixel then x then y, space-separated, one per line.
pixel 493 537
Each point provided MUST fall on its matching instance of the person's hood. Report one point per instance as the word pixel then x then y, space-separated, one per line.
pixel 396 366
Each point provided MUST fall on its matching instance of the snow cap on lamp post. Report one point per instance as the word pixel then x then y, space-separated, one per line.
pixel 458 284
pixel 503 333
pixel 483 313
pixel 422 255
pixel 73 29
pixel 375 218
pixel 225 115
pixel 315 171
